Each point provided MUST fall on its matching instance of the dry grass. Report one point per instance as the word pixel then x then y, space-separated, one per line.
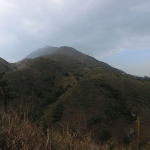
pixel 18 133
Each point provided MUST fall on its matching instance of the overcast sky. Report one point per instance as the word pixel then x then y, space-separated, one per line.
pixel 114 31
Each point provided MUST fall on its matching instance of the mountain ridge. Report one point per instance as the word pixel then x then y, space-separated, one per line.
pixel 5 66
pixel 71 52
pixel 41 51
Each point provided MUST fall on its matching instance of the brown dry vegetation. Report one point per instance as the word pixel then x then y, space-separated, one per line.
pixel 17 132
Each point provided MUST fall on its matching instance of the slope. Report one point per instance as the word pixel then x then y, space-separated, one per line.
pixel 57 89
pixel 23 63
pixel 71 52
pixel 5 66
pixel 104 100
pixel 43 80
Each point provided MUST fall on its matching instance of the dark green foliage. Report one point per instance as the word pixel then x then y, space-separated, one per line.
pixel 114 111
pixel 112 144
pixel 94 121
pixel 104 135
pixel 57 112
pixel 77 78
pixel 126 140
pixel 52 98
pixel 130 118
pixel 73 129
pixel 40 94
pixel 115 93
pixel 55 94
pixel 3 143
pixel 66 74
pixel 5 91
pixel 59 91
pixel 123 109
pixel 68 86
pixel 81 75
pixel 49 100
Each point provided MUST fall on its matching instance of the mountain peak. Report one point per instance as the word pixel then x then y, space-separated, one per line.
pixel 70 52
pixel 42 51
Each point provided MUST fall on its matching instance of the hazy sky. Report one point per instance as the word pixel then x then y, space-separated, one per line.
pixel 114 31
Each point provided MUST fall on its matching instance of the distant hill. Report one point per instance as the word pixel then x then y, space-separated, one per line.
pixel 42 51
pixel 5 66
pixel 23 63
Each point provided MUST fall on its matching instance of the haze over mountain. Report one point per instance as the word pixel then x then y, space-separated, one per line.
pixel 5 66
pixel 49 50
pixel 71 52
pixel 42 51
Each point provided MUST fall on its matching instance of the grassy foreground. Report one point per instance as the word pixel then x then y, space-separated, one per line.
pixel 18 133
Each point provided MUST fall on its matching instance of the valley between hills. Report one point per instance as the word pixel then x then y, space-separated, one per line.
pixel 66 90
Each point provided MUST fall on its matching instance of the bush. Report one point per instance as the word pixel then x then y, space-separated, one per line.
pixel 104 135
pixel 40 94
pixel 93 121
pixel 112 112
pixel 65 74
pixel 126 140
pixel 114 92
pixel 57 112
pixel 59 91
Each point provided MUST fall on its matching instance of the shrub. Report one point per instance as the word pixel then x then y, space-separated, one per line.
pixel 65 74
pixel 59 91
pixel 6 91
pixel 104 135
pixel 77 78
pixel 57 112
pixel 126 140
pixel 40 94
pixel 112 112
pixel 93 121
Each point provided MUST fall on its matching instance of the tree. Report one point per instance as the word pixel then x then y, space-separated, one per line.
pixel 5 91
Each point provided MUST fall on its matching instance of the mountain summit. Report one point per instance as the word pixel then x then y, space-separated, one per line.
pixel 42 51
pixel 70 52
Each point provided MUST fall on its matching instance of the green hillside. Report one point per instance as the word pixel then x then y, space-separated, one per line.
pixel 61 91
pixel 104 100
pixel 43 80
pixel 5 66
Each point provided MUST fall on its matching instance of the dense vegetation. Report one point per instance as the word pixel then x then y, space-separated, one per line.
pixel 59 93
